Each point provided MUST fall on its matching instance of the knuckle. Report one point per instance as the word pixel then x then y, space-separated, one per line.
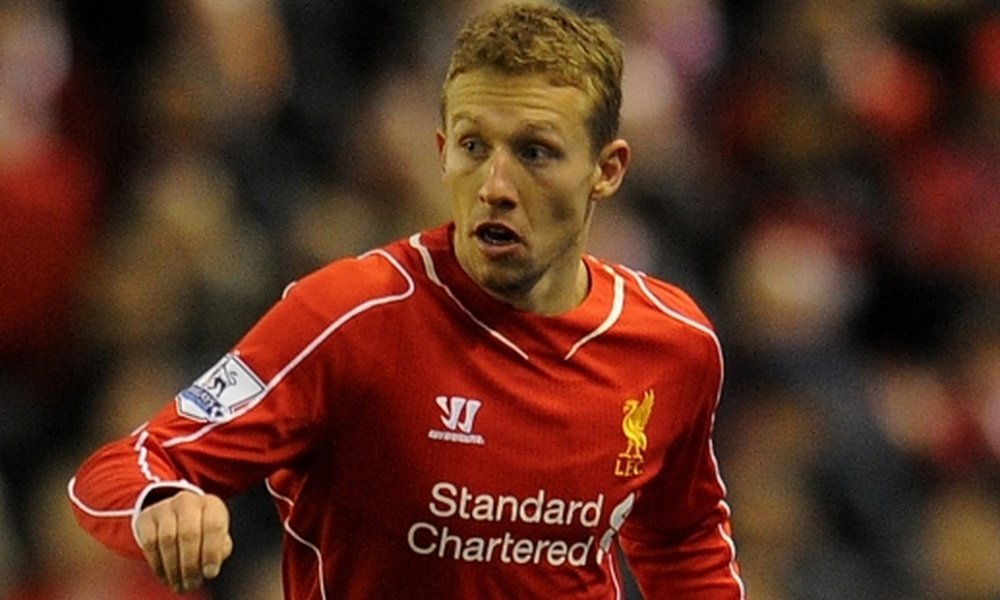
pixel 214 524
pixel 191 569
pixel 182 499
pixel 167 538
pixel 150 545
pixel 188 535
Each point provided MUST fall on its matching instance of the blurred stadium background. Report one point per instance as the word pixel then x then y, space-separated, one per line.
pixel 822 176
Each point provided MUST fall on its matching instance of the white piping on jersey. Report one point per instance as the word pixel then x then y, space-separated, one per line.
pixel 295 535
pixel 141 460
pixel 616 312
pixel 640 280
pixel 142 452
pixel 311 346
pixel 142 457
pixel 155 483
pixel 613 569
pixel 613 316
pixel 104 514
pixel 732 551
pixel 128 513
pixel 431 272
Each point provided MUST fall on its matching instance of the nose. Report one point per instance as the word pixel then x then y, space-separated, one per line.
pixel 498 188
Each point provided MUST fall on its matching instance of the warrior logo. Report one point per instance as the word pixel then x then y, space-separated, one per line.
pixel 629 462
pixel 458 416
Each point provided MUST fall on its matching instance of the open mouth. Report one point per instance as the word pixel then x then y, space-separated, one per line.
pixel 496 234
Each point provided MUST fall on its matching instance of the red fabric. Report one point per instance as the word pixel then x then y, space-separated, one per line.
pixel 390 488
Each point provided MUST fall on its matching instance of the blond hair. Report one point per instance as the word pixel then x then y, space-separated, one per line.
pixel 573 50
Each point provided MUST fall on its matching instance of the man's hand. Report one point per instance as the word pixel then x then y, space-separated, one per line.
pixel 185 538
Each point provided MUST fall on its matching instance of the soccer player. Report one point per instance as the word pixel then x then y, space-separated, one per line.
pixel 482 410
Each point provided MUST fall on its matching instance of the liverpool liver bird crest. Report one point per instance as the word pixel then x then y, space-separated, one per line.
pixel 634 423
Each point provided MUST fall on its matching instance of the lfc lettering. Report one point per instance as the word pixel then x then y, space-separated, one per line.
pixel 628 466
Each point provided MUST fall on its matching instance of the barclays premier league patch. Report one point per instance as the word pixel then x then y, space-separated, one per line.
pixel 220 392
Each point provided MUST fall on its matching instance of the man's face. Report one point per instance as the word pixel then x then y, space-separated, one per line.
pixel 517 160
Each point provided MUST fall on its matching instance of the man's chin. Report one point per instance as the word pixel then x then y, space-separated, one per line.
pixel 504 281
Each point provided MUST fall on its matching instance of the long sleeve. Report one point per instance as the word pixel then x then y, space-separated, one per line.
pixel 257 411
pixel 678 539
pixel 695 564
pixel 113 484
pixel 230 429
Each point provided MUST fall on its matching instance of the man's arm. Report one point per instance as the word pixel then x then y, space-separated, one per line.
pixel 134 504
pixel 157 493
pixel 258 410
pixel 677 539
pixel 114 485
pixel 699 563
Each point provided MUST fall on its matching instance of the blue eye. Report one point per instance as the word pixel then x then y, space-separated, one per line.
pixel 474 147
pixel 534 153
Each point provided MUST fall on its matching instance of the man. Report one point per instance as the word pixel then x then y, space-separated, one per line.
pixel 480 411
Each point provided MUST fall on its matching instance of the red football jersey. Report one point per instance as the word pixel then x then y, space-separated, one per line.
pixel 422 439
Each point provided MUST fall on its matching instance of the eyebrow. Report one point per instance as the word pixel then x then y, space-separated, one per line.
pixel 541 126
pixel 463 116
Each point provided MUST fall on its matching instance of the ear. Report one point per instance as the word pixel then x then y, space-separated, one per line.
pixel 442 141
pixel 609 172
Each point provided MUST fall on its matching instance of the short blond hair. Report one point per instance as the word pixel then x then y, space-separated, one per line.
pixel 571 49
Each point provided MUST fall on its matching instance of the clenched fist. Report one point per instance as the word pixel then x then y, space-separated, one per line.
pixel 185 538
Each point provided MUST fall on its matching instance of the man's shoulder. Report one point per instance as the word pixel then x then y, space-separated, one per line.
pixel 380 274
pixel 670 319
pixel 674 299
pixel 656 301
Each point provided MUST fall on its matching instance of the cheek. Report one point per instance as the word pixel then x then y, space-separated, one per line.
pixel 569 205
pixel 455 183
pixel 463 192
pixel 564 211
pixel 459 175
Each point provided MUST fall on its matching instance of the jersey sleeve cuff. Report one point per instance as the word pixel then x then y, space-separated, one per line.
pixel 177 486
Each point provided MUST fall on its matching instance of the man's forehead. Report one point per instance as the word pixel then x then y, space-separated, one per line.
pixel 479 95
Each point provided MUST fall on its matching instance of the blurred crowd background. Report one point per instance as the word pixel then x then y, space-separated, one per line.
pixel 822 176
